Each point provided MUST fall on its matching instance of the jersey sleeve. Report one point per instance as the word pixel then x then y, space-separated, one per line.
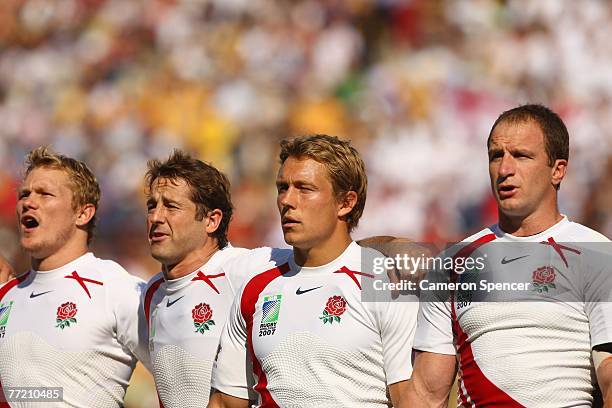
pixel 232 369
pixel 398 321
pixel 598 291
pixel 129 315
pixel 434 332
pixel 434 329
pixel 251 262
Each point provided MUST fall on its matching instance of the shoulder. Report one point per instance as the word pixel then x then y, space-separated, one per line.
pixel 485 232
pixel 116 277
pixel 366 257
pixel 153 284
pixel 260 268
pixel 254 261
pixel 12 283
pixel 233 252
pixel 580 233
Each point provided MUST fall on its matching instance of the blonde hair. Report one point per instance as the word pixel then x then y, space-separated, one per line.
pixel 85 188
pixel 343 163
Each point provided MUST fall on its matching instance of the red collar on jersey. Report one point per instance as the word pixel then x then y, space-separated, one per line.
pixel 82 281
pixel 352 274
pixel 559 248
pixel 207 279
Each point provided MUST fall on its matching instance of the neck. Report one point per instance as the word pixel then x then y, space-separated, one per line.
pixel 322 253
pixel 61 257
pixel 530 225
pixel 191 262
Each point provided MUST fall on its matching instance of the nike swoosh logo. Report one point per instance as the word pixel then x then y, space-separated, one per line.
pixel 169 303
pixel 506 261
pixel 299 291
pixel 33 295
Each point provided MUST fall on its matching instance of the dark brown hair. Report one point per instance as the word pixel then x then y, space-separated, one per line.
pixel 210 189
pixel 556 137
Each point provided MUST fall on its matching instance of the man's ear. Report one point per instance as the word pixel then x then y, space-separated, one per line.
pixel 347 203
pixel 558 171
pixel 85 214
pixel 214 218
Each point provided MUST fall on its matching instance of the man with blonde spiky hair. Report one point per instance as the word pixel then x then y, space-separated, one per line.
pixel 71 324
pixel 303 325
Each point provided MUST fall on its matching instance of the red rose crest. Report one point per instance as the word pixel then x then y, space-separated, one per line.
pixel 65 315
pixel 202 317
pixel 544 279
pixel 334 308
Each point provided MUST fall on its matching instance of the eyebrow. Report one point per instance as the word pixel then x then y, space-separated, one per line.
pixel 38 187
pixel 164 199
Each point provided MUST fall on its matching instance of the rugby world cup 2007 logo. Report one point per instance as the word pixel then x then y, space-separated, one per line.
pixel 5 311
pixel 270 311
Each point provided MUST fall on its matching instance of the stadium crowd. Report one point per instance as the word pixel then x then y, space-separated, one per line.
pixel 415 84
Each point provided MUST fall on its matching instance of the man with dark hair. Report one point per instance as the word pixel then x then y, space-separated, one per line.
pixel 72 321
pixel 301 323
pixel 189 211
pixel 543 347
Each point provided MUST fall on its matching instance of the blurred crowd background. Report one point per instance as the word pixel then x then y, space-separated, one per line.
pixel 415 84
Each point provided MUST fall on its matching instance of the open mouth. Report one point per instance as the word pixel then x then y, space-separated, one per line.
pixel 29 222
pixel 506 191
pixel 157 236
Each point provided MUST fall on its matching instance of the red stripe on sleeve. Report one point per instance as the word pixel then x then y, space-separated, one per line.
pixel 3 291
pixel 249 298
pixel 3 403
pixel 147 306
pixel 12 283
pixel 480 391
pixel 149 297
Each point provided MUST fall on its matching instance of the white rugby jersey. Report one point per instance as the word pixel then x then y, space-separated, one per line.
pixel 535 349
pixel 312 341
pixel 186 317
pixel 75 327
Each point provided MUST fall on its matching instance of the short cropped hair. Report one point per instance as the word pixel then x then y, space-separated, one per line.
pixel 210 189
pixel 344 165
pixel 556 136
pixel 84 185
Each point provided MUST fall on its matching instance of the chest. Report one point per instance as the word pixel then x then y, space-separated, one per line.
pixel 62 312
pixel 191 318
pixel 329 311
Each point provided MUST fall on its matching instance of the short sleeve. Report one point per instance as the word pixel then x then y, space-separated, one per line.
pixel 597 267
pixel 131 321
pixel 434 331
pixel 232 369
pixel 398 320
pixel 247 264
